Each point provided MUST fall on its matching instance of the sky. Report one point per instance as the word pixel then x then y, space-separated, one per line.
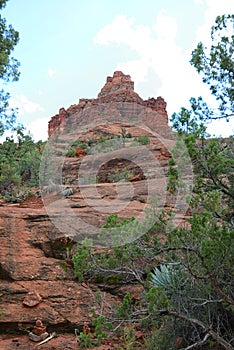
pixel 68 48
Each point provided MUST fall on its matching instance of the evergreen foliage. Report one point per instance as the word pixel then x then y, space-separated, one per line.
pixel 20 163
pixel 9 70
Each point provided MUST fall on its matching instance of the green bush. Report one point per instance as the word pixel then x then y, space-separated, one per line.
pixel 71 152
pixel 124 310
pixel 173 177
pixel 81 144
pixel 85 340
pixel 20 161
pixel 8 178
pixel 119 175
pixel 89 340
pixel 143 140
pixel 81 261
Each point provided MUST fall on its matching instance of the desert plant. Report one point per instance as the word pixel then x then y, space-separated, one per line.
pixel 172 176
pixel 81 261
pixel 119 175
pixel 71 152
pixel 96 333
pixel 125 308
pixel 143 140
pixel 169 277
pixel 84 340
pixel 20 160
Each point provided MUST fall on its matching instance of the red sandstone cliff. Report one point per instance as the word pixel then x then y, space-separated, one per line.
pixel 117 89
pixel 34 253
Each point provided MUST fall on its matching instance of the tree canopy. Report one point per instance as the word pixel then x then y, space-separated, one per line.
pixel 9 68
pixel 216 65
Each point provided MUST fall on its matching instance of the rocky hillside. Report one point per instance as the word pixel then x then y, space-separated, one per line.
pixel 37 279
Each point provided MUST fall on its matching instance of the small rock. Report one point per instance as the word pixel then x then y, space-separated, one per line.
pixel 38 338
pixel 32 299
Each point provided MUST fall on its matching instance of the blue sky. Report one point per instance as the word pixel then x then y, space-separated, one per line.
pixel 68 48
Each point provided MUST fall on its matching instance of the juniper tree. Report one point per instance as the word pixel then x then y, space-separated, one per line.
pixel 9 72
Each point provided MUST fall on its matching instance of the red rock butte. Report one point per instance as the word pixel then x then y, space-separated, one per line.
pixel 119 88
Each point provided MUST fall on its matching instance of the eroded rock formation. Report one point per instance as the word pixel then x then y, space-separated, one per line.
pixel 117 89
pixel 36 278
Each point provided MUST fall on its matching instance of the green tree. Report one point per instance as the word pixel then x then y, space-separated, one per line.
pixel 19 163
pixel 8 69
pixel 216 68
pixel 204 250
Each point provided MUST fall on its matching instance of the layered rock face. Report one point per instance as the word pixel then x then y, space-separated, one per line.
pixel 36 276
pixel 119 83
pixel 37 282
pixel 118 89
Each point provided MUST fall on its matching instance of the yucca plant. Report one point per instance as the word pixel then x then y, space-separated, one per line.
pixel 169 277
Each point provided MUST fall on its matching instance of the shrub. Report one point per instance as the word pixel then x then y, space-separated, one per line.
pixel 143 140
pixel 71 152
pixel 89 340
pixel 8 178
pixel 81 261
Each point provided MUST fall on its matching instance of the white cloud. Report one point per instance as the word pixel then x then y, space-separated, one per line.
pixel 137 69
pixel 214 8
pixel 51 72
pixel 157 51
pixel 221 128
pixel 38 128
pixel 165 27
pixel 24 105
pixel 119 31
pixel 199 2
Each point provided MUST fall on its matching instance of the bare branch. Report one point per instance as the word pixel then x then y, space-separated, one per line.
pixel 206 301
pixel 198 343
pixel 121 270
pixel 213 280
pixel 194 321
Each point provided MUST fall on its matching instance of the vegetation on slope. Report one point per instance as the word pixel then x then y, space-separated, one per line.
pixel 187 280
pixel 185 274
